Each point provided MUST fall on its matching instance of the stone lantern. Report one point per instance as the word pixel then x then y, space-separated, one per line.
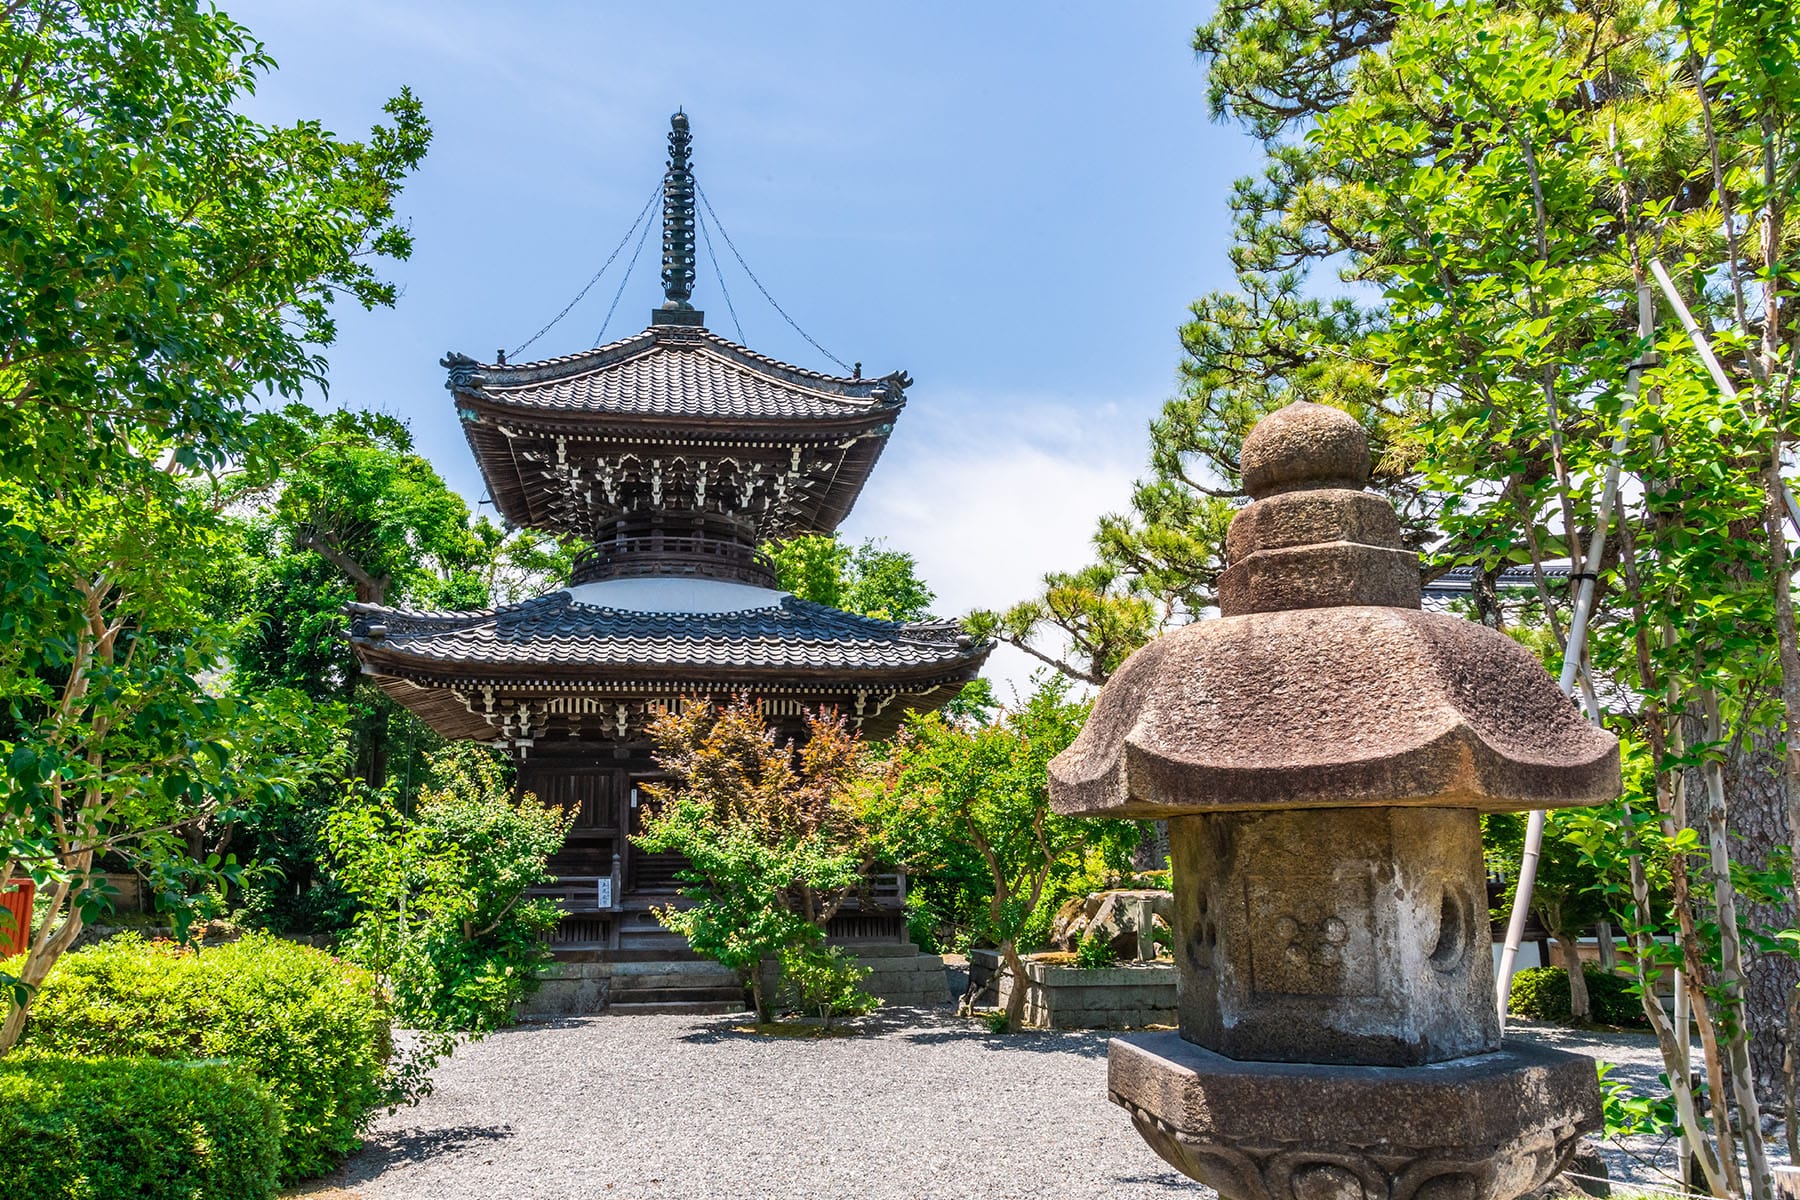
pixel 1323 752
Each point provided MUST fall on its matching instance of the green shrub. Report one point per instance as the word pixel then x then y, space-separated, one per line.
pixel 109 1128
pixel 1542 994
pixel 310 1027
pixel 442 916
pixel 1094 953
pixel 1539 994
pixel 826 982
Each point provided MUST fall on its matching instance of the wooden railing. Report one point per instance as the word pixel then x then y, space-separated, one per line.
pixel 888 891
pixel 604 893
pixel 884 893
pixel 660 552
pixel 584 893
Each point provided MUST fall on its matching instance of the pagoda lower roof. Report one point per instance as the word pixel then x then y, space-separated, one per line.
pixel 561 641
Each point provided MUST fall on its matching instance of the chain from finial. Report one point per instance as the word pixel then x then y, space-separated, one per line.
pixel 678 264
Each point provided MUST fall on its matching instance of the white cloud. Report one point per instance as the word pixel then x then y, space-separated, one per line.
pixel 988 496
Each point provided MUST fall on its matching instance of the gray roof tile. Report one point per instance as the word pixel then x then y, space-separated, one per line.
pixel 554 631
pixel 679 372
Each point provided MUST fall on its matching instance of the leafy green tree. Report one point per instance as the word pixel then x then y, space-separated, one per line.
pixel 1094 618
pixel 869 580
pixel 168 264
pixel 775 836
pixel 988 786
pixel 356 515
pixel 1576 224
pixel 443 916
pixel 354 493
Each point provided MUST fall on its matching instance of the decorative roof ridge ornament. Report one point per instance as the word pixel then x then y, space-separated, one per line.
pixel 679 225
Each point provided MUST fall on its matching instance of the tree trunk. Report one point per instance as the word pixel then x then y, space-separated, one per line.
pixel 1581 1006
pixel 759 997
pixel 1757 804
pixel 1731 958
pixel 1015 1003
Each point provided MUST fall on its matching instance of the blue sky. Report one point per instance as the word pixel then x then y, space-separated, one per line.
pixel 1014 202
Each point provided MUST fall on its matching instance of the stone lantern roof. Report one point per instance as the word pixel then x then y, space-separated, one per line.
pixel 1323 684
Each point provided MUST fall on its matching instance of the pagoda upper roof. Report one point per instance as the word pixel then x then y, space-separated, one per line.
pixel 542 431
pixel 680 372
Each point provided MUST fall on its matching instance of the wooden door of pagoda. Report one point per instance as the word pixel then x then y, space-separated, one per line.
pixel 596 796
pixel 646 872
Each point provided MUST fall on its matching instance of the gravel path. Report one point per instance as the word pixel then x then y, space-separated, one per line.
pixel 922 1106
pixel 650 1106
pixel 1636 1062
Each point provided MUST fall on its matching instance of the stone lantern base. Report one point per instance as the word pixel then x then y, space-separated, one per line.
pixel 1488 1127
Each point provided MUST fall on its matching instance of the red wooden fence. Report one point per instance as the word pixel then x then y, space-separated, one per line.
pixel 16 901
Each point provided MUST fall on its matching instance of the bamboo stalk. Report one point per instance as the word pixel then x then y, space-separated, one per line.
pixel 1669 1037
pixel 1731 958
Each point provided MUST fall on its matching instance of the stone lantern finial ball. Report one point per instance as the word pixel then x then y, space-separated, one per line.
pixel 1304 445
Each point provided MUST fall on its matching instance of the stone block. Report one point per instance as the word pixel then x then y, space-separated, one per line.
pixel 1310 517
pixel 1100 998
pixel 1488 1127
pixel 1321 576
pixel 567 997
pixel 914 980
pixel 1350 935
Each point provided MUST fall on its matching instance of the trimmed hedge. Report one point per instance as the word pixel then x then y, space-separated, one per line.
pixel 1542 994
pixel 103 1129
pixel 309 1026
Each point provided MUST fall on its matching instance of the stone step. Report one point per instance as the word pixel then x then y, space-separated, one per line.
pixel 937 991
pixel 607 954
pixel 633 996
pixel 685 1008
pixel 906 987
pixel 924 964
pixel 631 939
pixel 927 992
pixel 673 982
pixel 651 973
pixel 870 952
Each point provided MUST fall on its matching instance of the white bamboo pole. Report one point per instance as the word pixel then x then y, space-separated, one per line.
pixel 1703 346
pixel 1574 650
pixel 1684 1041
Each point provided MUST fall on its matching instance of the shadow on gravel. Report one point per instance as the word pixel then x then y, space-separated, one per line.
pixel 1633 1054
pixel 410 1147
pixel 920 1026
pixel 1085 1045
pixel 1168 1181
pixel 741 1027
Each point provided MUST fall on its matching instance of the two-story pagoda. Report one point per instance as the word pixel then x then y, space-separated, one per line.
pixel 673 454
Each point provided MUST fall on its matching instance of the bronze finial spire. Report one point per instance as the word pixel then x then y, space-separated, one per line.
pixel 678 227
